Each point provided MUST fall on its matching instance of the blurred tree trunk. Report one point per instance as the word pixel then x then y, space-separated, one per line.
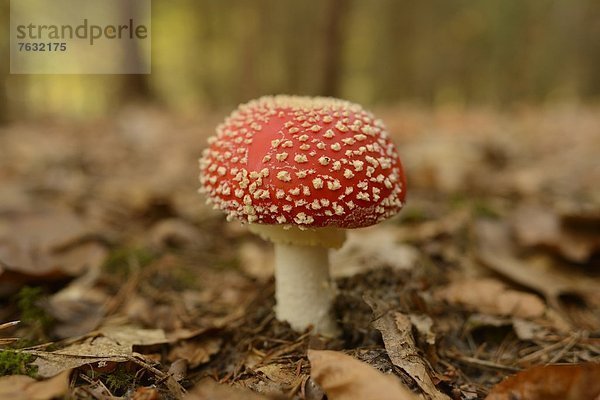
pixel 4 54
pixel 134 87
pixel 333 42
pixel 590 50
pixel 248 84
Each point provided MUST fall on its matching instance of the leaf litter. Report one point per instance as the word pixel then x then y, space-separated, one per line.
pixel 148 294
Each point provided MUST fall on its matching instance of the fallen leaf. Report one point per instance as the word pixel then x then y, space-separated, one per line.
pixel 111 344
pixel 256 261
pixel 274 378
pixel 496 251
pixel 372 248
pixel 575 238
pixel 446 225
pixel 490 296
pixel 175 232
pixel 96 390
pixel 22 387
pixel 445 163
pixel 178 369
pixel 78 308
pixel 528 330
pixel 424 326
pixel 280 374
pixel 94 351
pixel 396 330
pixel 45 245
pixel 207 389
pixel 146 393
pixel 552 382
pixel 540 273
pixel 195 352
pixel 129 336
pixel 44 230
pixel 343 377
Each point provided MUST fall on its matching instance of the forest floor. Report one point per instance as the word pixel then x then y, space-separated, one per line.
pixel 127 285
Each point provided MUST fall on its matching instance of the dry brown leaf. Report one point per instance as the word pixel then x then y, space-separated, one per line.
pixel 146 393
pixel 489 296
pixel 196 352
pixel 528 330
pixel 129 336
pixel 174 232
pixel 552 382
pixel 496 251
pixel 424 326
pixel 45 244
pixel 96 352
pixel 272 379
pixel 343 377
pixel 445 163
pixel 372 248
pixel 178 369
pixel 114 344
pixel 428 230
pixel 396 330
pixel 256 261
pixel 45 230
pixel 21 387
pixel 79 307
pixel 280 374
pixel 207 389
pixel 540 226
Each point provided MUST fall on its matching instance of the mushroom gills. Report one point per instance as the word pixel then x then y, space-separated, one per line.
pixel 289 234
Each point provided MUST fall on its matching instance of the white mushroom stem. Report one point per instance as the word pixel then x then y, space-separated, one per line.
pixel 303 288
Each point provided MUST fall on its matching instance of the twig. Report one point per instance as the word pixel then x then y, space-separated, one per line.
pixel 484 363
pixel 8 324
pixel 572 342
pixel 545 350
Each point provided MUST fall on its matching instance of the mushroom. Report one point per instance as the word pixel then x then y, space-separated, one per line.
pixel 299 171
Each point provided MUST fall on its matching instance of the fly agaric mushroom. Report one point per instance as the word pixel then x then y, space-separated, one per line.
pixel 300 170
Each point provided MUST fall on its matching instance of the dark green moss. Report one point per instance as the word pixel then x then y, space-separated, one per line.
pixel 120 379
pixel 32 314
pixel 120 260
pixel 16 363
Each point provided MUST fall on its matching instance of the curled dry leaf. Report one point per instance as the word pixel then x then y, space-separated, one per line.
pixel 396 330
pixel 175 232
pixel 343 377
pixel 446 225
pixel 372 248
pixel 256 261
pixel 21 387
pixel 79 307
pixel 146 393
pixel 271 377
pixel 46 245
pixel 445 163
pixel 575 238
pixel 424 325
pixel 542 274
pixel 114 344
pixel 552 382
pixel 489 296
pixel 178 369
pixel 207 389
pixel 196 352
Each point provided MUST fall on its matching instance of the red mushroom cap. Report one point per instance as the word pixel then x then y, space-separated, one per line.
pixel 312 162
